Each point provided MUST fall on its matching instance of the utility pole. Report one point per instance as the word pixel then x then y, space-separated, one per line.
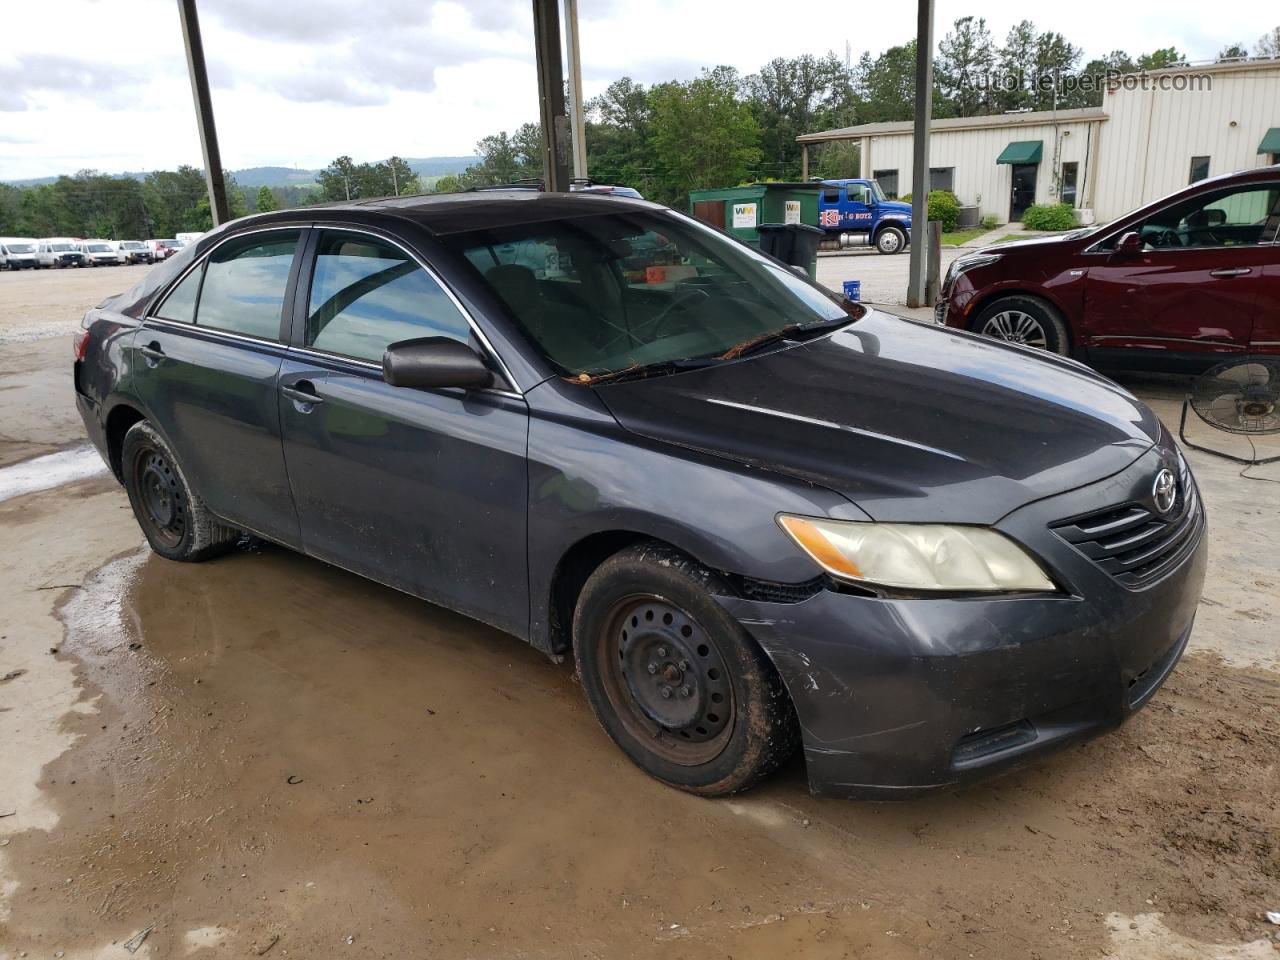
pixel 395 182
pixel 577 118
pixel 204 111
pixel 555 125
pixel 916 285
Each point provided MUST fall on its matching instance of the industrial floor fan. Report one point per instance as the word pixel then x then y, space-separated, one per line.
pixel 1240 397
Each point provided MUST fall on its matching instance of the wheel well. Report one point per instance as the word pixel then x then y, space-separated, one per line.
pixel 119 420
pixel 578 563
pixel 999 295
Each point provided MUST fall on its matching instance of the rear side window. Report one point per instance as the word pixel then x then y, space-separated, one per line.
pixel 367 293
pixel 244 285
pixel 180 304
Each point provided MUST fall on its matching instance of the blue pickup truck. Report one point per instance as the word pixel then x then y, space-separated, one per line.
pixel 848 207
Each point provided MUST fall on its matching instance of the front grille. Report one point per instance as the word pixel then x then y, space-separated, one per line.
pixel 1133 542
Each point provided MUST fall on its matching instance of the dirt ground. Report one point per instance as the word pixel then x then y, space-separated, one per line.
pixel 265 755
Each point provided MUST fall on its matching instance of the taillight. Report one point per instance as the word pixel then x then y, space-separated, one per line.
pixel 80 344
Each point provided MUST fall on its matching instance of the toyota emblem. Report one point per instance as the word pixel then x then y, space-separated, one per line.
pixel 1165 490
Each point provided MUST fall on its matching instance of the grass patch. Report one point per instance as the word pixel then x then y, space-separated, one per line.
pixel 957 237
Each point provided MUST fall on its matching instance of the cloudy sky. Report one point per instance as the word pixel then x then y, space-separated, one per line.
pixel 102 83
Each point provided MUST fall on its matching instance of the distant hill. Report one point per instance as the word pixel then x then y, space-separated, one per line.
pixel 428 168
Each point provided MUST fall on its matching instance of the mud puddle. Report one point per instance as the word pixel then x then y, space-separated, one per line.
pixel 286 755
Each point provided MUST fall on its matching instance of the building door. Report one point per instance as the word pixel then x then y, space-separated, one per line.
pixel 1024 189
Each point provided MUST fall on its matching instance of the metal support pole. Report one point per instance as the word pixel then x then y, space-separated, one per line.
pixel 804 161
pixel 577 118
pixel 555 125
pixel 916 292
pixel 204 112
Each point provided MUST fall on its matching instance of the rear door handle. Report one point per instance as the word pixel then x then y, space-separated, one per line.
pixel 302 392
pixel 1231 272
pixel 153 353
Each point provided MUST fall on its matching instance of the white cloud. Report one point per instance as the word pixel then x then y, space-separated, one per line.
pixel 103 84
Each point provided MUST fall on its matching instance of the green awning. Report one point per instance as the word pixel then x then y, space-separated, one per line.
pixel 1022 151
pixel 1271 142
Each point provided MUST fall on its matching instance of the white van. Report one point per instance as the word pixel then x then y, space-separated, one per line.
pixel 186 238
pixel 101 253
pixel 19 252
pixel 59 252
pixel 135 251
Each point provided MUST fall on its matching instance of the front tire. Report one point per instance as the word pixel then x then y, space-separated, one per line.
pixel 674 680
pixel 891 240
pixel 1027 321
pixel 171 514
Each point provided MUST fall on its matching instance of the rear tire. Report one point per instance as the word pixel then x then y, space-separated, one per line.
pixel 171 514
pixel 1028 321
pixel 674 680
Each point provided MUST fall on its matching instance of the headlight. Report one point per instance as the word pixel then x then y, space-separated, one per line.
pixel 965 264
pixel 917 556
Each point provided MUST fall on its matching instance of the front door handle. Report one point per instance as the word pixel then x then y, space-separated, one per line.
pixel 302 392
pixel 1231 272
pixel 153 353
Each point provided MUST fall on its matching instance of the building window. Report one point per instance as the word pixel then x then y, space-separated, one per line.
pixel 1070 174
pixel 888 180
pixel 942 178
pixel 1199 169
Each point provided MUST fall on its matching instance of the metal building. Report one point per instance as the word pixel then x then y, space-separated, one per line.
pixel 1155 132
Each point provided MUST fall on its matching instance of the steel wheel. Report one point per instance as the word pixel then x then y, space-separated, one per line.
pixel 1015 326
pixel 889 241
pixel 163 500
pixel 667 680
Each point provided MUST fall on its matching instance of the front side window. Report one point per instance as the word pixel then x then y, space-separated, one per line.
pixel 857 193
pixel 244 285
pixel 1244 216
pixel 367 293
pixel 610 292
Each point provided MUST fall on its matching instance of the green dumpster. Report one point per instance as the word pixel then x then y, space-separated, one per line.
pixel 740 210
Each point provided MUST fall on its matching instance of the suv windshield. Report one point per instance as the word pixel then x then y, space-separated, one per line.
pixel 603 293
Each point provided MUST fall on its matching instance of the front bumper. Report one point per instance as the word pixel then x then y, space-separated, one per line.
pixel 898 697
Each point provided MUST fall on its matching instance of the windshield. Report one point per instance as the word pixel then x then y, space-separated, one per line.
pixel 602 293
pixel 61 247
pixel 20 248
pixel 131 245
pixel 877 192
pixel 98 248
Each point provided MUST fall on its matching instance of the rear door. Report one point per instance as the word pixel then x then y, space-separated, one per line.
pixel 1198 284
pixel 205 364
pixel 423 490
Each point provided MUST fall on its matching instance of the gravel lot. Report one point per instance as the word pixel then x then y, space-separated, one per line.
pixel 264 753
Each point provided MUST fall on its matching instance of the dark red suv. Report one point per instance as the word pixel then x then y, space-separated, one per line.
pixel 1174 285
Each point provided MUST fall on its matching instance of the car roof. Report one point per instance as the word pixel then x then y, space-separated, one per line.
pixel 447 213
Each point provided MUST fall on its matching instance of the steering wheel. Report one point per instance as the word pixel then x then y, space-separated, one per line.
pixel 655 323
pixel 1167 237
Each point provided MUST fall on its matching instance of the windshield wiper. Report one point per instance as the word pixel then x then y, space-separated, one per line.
pixel 795 331
pixel 642 370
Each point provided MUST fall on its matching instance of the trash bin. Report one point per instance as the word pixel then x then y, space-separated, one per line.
pixel 853 290
pixel 804 245
pixel 775 240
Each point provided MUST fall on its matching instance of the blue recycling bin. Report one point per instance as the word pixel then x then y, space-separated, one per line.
pixel 853 290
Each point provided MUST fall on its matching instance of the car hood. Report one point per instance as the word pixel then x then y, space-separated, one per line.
pixel 1037 243
pixel 893 206
pixel 910 421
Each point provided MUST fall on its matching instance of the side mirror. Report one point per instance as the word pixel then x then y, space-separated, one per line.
pixel 433 362
pixel 1129 245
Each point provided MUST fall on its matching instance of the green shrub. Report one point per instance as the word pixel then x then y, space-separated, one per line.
pixel 989 222
pixel 1049 216
pixel 943 206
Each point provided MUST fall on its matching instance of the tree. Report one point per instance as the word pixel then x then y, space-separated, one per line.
pixel 789 97
pixel 886 85
pixel 338 180
pixel 1017 62
pixel 449 183
pixel 1268 44
pixel 618 145
pixel 266 199
pixel 403 179
pixel 965 67
pixel 1159 59
pixel 703 134
pixel 172 198
pixel 1233 51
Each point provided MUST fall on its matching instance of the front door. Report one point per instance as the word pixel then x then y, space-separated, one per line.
pixel 1199 282
pixel 205 364
pixel 423 490
pixel 1024 189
